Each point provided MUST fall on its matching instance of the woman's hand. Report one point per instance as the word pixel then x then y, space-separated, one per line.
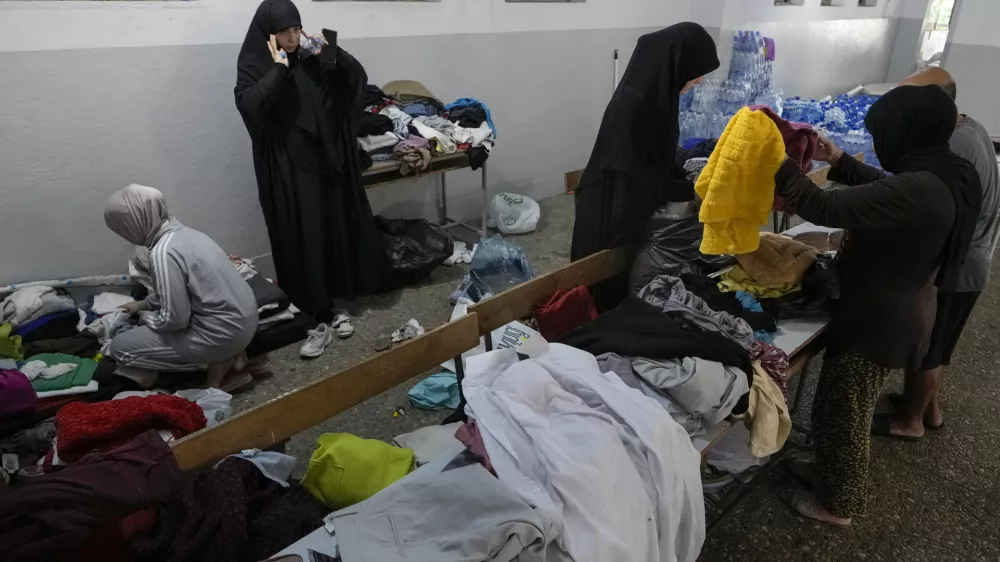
pixel 279 55
pixel 827 152
pixel 132 308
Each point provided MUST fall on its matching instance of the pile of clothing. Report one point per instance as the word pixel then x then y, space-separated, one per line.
pixel 404 122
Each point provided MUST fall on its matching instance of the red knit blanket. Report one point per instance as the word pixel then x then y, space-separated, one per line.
pixel 82 427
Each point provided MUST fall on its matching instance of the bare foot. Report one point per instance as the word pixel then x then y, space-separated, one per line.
pixel 906 428
pixel 805 503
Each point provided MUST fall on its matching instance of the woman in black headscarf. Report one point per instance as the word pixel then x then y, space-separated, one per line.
pixel 633 170
pixel 302 113
pixel 906 233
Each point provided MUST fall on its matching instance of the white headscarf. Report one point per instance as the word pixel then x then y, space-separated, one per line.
pixel 136 213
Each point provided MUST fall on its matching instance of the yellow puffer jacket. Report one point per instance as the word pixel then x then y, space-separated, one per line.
pixel 737 185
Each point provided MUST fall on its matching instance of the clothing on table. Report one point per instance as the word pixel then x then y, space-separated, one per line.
pixel 801 141
pixel 373 143
pixel 10 345
pixel 232 512
pixel 16 394
pixel 705 389
pixel 632 170
pixel 375 125
pixel 971 141
pixel 269 298
pixel 81 345
pixel 469 103
pixel 820 292
pixel 428 443
pixel 409 91
pixel 244 265
pixel 564 312
pixel 767 415
pixel 373 95
pixel 303 122
pixel 36 369
pixel 822 241
pixel 737 279
pixel 750 303
pixel 346 469
pixel 669 295
pixel 31 303
pixel 92 386
pixel 614 363
pixel 202 311
pixel 474 137
pixel 778 260
pixel 400 120
pixel 773 361
pixel 80 374
pixel 848 389
pixel 420 109
pixel 48 517
pixel 555 425
pixel 455 516
pixel 897 231
pixel 469 116
pixel 106 425
pixel 274 466
pixel 29 444
pixel 436 392
pixel 105 303
pixel 953 311
pixel 708 289
pixel 737 185
pixel 638 329
pixel 414 154
pixel 444 142
pixel 62 324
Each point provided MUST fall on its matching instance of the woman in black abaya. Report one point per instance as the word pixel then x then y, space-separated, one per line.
pixel 302 114
pixel 632 171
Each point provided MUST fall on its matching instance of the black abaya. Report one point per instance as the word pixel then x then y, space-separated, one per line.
pixel 632 171
pixel 303 122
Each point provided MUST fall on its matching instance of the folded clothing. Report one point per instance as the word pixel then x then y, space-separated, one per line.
pixel 400 120
pixel 62 324
pixel 471 116
pixel 346 469
pixel 267 294
pixel 373 143
pixel 472 104
pixel 16 393
pixel 31 303
pixel 410 91
pixel 79 376
pixel 737 185
pixel 106 425
pixel 737 279
pixel 778 260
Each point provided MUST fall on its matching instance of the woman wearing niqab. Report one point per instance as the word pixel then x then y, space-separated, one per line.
pixel 303 119
pixel 633 170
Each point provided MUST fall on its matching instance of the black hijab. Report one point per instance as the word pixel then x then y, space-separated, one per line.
pixel 911 127
pixel 640 131
pixel 271 17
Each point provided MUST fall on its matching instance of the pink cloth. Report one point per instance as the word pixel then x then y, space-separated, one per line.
pixel 469 435
pixel 801 142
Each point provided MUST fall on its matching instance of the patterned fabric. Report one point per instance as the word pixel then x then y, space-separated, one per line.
pixel 849 386
pixel 774 362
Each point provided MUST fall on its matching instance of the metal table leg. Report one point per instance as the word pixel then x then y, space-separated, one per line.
pixel 443 200
pixel 486 204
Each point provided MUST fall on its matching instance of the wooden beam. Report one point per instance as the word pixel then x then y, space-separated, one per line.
pixel 284 416
pixel 520 301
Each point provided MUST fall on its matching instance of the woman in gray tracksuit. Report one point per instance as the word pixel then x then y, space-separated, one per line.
pixel 200 312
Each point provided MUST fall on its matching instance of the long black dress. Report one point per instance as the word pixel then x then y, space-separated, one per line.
pixel 303 121
pixel 632 171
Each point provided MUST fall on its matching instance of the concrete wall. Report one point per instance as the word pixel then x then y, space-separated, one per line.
pixel 910 28
pixel 973 58
pixel 99 94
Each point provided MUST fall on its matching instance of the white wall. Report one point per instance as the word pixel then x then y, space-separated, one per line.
pixel 75 24
pixel 972 56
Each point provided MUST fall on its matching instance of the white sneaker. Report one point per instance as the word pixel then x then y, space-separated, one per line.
pixel 319 338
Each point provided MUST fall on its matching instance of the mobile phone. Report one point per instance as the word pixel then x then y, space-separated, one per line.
pixel 330 52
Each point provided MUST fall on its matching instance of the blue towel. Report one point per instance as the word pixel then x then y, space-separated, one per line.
pixel 466 102
pixel 436 392
pixel 749 301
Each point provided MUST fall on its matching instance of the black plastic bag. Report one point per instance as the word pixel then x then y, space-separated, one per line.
pixel 412 248
pixel 670 247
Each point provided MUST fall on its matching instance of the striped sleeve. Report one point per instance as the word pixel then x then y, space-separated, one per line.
pixel 170 282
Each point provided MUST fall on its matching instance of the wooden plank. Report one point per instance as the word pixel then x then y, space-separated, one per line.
pixel 520 301
pixel 300 409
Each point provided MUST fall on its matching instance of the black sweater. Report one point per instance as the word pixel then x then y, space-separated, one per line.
pixel 897 230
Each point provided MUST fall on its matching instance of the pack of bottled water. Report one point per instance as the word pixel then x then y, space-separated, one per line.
pixel 841 119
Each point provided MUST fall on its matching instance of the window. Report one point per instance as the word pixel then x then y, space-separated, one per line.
pixel 835 3
pixel 789 2
pixel 937 26
pixel 867 3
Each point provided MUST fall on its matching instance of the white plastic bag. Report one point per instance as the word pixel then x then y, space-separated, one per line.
pixel 515 214
pixel 513 335
pixel 215 403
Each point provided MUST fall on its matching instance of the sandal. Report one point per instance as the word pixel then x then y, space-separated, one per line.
pixel 407 331
pixel 882 427
pixel 898 402
pixel 235 382
pixel 342 324
pixel 804 503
